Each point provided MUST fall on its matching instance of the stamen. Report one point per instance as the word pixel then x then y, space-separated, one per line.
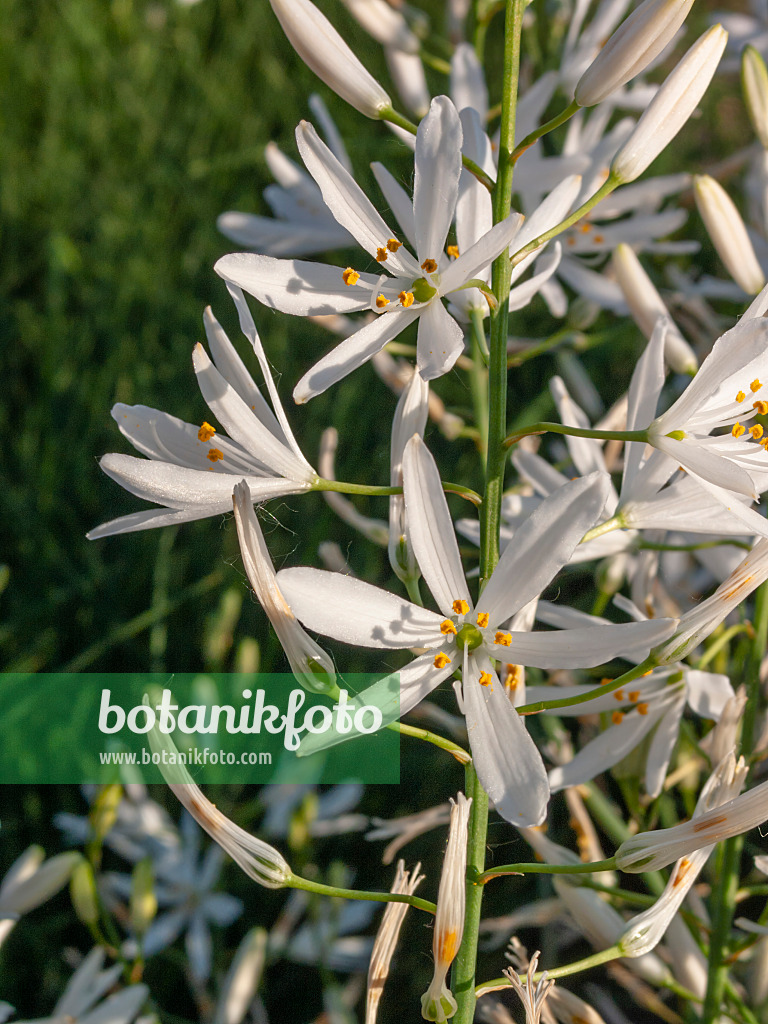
pixel 737 430
pixel 206 432
pixel 513 678
pixel 503 639
pixel 430 266
pixel 761 408
pixel 447 628
pixel 393 245
pixel 486 679
pixel 215 454
pixel 598 239
pixel 460 607
pixel 633 695
pixel 483 619
pixel 606 681
pixel 453 251
pixel 755 385
pixel 619 695
pixel 406 299
pixel 642 709
pixel 617 717
pixel 441 660
pixel 381 255
pixel 350 276
pixel 740 397
pixel 756 431
pixel 585 228
pixel 682 871
pixel 381 301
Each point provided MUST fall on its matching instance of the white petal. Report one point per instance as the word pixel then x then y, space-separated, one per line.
pixel 436 181
pixel 662 745
pixel 708 692
pixel 644 390
pixel 706 465
pixel 440 341
pixel 505 757
pixel 348 203
pixel 419 679
pixel 468 87
pixel 432 536
pixel 543 544
pixel 351 353
pixel 119 1008
pixel 282 238
pixel 585 648
pixel 400 202
pixel 474 208
pixel 153 518
pixel 485 250
pixel 523 293
pixel 355 612
pixel 296 286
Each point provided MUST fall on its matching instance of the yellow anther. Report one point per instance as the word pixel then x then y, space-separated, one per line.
pixel 486 678
pixel 381 254
pixel 350 276
pixel 585 228
pixel 764 443
pixel 617 717
pixel 633 695
pixel 755 385
pixel 618 695
pixel 206 432
pixel 503 639
pixel 761 408
pixel 429 266
pixel 460 607
pixel 514 677
pixel 740 397
pixel 214 454
pixel 738 429
pixel 441 660
pixel 447 628
pixel 571 241
pixel 406 299
pixel 381 301
pixel 756 431
pixel 483 619
pixel 598 239
pixel 606 681
pixel 393 245
pixel 453 251
pixel 642 709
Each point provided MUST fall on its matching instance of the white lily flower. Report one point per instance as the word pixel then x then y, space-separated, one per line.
pixel 31 881
pixel 645 931
pixel 417 283
pixel 638 41
pixel 191 470
pixel 324 51
pixel 437 1003
pixel 754 84
pixel 309 662
pixel 728 233
pixel 464 637
pixel 672 105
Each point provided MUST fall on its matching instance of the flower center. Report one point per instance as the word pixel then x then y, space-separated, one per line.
pixel 423 291
pixel 469 637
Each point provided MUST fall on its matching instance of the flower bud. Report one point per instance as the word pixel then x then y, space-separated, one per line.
pixel 27 890
pixel 143 899
pixel 631 48
pixel 754 84
pixel 671 107
pixel 728 233
pixel 82 891
pixel 324 51
pixel 383 23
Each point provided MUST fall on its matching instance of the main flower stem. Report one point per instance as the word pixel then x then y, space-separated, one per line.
pixel 463 977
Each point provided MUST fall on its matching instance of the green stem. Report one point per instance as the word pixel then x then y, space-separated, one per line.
pixel 547 869
pixel 725 638
pixel 598 691
pixel 307 885
pixel 543 129
pixel 729 855
pixel 479 380
pixel 603 957
pixel 375 490
pixel 458 752
pixel 562 428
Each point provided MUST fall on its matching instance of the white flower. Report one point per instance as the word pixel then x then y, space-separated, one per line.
pixel 533 995
pixel 416 285
pixel 672 105
pixel 639 40
pixel 191 470
pixel 464 637
pixel 438 1003
pixel 30 881
pixel 309 662
pixel 324 51
pixel 728 233
pixel 754 84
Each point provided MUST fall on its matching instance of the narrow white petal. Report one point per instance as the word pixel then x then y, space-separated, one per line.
pixel 644 390
pixel 432 536
pixel 348 203
pixel 485 250
pixel 506 759
pixel 351 353
pixel 708 692
pixel 355 612
pixel 152 518
pixel 707 465
pixel 400 202
pixel 440 341
pixel 523 293
pixel 282 238
pixel 468 87
pixel 663 743
pixel 419 679
pixel 585 648
pixel 436 181
pixel 296 286
pixel 543 544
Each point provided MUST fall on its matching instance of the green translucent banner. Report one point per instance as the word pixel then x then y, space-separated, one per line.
pixel 219 727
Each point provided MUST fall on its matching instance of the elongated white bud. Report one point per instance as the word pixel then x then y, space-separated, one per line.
pixel 728 233
pixel 437 1003
pixel 671 107
pixel 324 51
pixel 631 48
pixel 386 25
pixel 754 85
pixel 646 306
